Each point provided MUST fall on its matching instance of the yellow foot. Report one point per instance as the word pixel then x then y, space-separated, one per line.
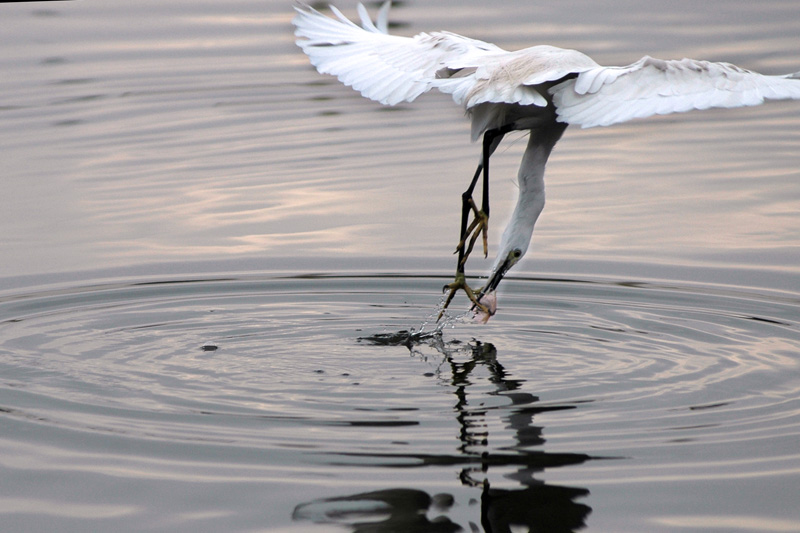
pixel 460 283
pixel 479 226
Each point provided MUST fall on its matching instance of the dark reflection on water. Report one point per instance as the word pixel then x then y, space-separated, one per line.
pixel 535 504
pixel 381 511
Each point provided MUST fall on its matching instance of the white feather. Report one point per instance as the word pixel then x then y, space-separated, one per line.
pixel 541 89
pixel 392 69
pixel 608 95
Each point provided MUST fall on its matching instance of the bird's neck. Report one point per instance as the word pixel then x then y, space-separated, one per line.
pixel 530 201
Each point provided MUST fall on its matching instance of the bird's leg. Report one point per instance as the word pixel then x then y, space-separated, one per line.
pixel 460 283
pixel 467 205
pixel 479 224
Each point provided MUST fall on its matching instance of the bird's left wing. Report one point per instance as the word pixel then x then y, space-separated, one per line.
pixel 607 95
pixel 387 68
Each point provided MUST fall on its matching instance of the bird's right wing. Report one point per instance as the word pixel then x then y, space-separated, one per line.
pixel 607 95
pixel 387 68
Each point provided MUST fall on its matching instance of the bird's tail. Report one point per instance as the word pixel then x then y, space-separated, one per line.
pixel 386 68
pixel 319 29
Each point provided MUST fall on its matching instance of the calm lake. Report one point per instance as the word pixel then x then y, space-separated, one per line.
pixel 212 257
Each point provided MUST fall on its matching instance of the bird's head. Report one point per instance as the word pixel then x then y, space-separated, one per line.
pixel 503 265
pixel 487 295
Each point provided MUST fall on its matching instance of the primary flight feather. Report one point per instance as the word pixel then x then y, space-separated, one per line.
pixel 541 89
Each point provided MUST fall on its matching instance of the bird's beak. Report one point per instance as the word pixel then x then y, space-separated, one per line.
pixel 487 296
pixel 497 276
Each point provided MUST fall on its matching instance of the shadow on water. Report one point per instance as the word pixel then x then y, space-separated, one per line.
pixel 531 502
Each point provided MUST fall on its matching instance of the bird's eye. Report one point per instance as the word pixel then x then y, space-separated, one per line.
pixel 516 253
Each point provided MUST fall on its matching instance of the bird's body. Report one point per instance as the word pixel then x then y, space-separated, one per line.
pixel 541 89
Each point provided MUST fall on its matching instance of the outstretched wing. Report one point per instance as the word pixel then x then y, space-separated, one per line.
pixel 387 68
pixel 607 95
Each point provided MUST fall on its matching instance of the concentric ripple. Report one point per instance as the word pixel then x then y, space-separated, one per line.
pixel 304 392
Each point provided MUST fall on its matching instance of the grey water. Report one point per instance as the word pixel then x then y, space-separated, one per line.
pixel 216 264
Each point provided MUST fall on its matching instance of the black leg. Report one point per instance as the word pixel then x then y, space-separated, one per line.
pixel 479 225
pixel 488 140
pixel 491 139
pixel 467 205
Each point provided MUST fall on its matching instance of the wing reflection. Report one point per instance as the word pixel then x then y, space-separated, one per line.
pixel 515 501
pixel 382 511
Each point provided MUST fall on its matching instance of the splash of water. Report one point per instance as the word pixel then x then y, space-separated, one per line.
pixel 429 332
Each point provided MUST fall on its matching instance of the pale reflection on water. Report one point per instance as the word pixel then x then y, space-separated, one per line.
pixel 209 134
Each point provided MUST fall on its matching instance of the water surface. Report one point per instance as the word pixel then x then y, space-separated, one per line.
pixel 210 253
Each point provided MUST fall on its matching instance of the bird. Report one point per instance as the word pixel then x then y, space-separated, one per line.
pixel 541 89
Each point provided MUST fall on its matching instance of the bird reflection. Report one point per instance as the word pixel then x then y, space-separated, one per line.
pixel 528 502
pixel 538 506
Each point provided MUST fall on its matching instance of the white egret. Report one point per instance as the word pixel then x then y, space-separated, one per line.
pixel 542 89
